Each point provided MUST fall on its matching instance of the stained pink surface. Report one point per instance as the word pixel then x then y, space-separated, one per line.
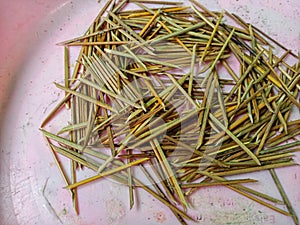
pixel 29 63
pixel 18 29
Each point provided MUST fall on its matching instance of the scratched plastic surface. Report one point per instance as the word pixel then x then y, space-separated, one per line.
pixel 29 63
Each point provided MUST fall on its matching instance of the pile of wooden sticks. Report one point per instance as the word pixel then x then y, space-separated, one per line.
pixel 173 91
